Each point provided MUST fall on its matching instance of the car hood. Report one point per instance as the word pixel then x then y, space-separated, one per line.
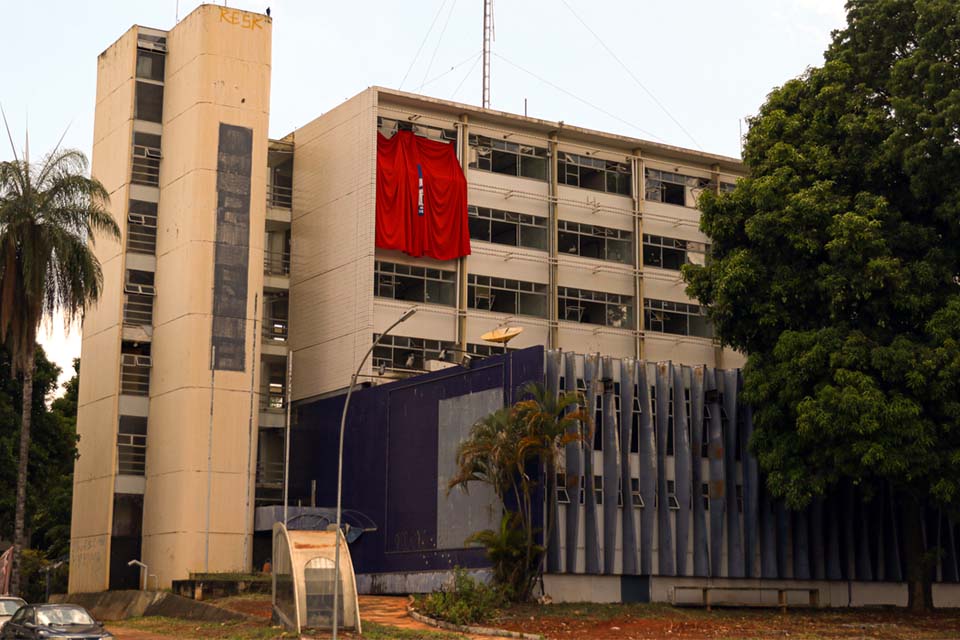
pixel 73 631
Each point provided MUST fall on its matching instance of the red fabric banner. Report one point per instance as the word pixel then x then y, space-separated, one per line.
pixel 427 218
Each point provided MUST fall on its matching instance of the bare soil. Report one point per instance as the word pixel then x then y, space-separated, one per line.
pixel 643 622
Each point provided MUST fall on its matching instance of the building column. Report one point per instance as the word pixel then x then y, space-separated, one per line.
pixel 463 153
pixel 637 170
pixel 553 340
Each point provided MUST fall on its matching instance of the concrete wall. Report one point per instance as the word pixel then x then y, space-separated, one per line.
pixel 102 327
pixel 332 252
pixel 218 71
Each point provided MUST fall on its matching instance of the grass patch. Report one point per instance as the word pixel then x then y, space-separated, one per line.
pixel 197 630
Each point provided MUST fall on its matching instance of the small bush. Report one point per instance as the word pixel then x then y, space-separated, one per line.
pixel 468 601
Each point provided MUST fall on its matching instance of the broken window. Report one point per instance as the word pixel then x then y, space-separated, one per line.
pixel 132 445
pixel 402 353
pixel 146 159
pixel 592 241
pixel 671 253
pixel 593 173
pixel 595 307
pixel 389 126
pixel 510 158
pixel 415 284
pixel 671 188
pixel 508 228
pixel 502 295
pixel 678 318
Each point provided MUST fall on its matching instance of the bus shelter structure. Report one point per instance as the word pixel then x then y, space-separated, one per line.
pixel 303 578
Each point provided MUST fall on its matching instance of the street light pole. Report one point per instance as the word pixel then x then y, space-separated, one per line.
pixel 343 425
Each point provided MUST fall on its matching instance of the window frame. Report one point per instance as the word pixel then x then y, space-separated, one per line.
pixel 594 232
pixel 571 168
pixel 567 297
pixel 678 311
pixel 445 282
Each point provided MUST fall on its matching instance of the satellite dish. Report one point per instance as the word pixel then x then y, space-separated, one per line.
pixel 502 335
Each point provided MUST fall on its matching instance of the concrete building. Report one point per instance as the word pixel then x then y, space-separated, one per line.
pixel 577 236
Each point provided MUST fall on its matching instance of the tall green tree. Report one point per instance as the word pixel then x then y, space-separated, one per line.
pixel 49 214
pixel 834 265
pixel 52 454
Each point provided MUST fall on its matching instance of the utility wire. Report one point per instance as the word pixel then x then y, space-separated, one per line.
pixel 469 71
pixel 423 42
pixel 579 99
pixel 453 5
pixel 449 71
pixel 630 73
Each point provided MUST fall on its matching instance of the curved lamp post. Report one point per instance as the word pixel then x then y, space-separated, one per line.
pixel 343 425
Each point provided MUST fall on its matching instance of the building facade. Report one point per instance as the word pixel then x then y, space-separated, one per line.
pixel 194 351
pixel 181 350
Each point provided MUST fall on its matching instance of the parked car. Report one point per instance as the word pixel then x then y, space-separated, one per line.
pixel 8 607
pixel 53 622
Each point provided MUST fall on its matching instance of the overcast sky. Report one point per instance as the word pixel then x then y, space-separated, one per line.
pixel 691 69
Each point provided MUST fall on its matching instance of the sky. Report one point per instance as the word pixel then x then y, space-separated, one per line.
pixel 684 72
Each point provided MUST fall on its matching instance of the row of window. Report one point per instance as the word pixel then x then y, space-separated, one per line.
pixel 517 297
pixel 587 240
pixel 636 500
pixel 406 353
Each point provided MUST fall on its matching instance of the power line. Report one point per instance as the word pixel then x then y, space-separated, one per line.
pixel 583 100
pixel 448 71
pixel 469 71
pixel 453 5
pixel 423 42
pixel 630 73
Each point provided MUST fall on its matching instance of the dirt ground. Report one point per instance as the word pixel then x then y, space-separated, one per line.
pixel 654 622
pixel 385 619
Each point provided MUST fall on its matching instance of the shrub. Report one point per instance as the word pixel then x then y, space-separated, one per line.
pixel 468 601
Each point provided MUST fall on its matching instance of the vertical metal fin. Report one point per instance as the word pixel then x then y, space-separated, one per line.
pixel 574 467
pixel 591 535
pixel 701 555
pixel 681 467
pixel 554 364
pixel 665 556
pixel 751 481
pixel 713 383
pixel 611 468
pixel 628 534
pixel 648 472
pixel 734 541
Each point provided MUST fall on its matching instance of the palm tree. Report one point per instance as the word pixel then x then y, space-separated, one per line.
pixel 508 449
pixel 48 213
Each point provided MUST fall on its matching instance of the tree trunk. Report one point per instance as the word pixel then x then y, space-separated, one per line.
pixel 18 522
pixel 919 583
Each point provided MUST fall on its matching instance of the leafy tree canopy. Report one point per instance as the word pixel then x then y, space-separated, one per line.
pixel 52 453
pixel 834 265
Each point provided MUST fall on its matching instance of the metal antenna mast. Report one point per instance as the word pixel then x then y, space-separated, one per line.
pixel 487 29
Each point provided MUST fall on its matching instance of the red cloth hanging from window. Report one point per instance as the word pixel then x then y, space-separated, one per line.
pixel 435 226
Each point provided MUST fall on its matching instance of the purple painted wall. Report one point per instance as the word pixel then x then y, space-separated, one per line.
pixel 390 459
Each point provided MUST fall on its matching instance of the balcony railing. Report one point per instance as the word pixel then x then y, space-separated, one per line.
pixel 276 263
pixel 142 233
pixel 278 196
pixel 135 374
pixel 137 309
pixel 270 473
pixel 146 165
pixel 131 454
pixel 275 330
